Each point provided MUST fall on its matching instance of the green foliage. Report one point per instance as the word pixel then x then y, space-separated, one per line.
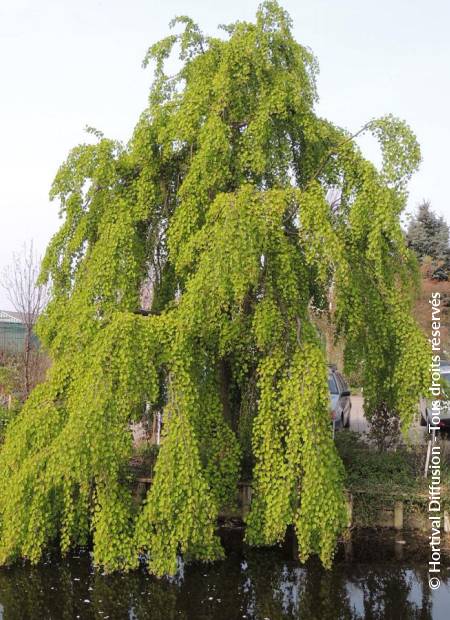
pixel 9 378
pixel 6 417
pixel 369 470
pixel 298 475
pixel 180 511
pixel 219 199
pixel 376 479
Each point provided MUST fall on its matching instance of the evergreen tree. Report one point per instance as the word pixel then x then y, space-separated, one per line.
pixel 219 199
pixel 428 234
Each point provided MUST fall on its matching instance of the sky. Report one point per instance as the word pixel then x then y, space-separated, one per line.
pixel 65 64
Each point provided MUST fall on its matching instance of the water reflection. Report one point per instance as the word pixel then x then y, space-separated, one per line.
pixel 250 584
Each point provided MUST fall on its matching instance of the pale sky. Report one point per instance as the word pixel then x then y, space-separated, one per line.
pixel 65 64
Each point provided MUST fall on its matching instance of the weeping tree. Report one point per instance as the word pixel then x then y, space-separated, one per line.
pixel 218 203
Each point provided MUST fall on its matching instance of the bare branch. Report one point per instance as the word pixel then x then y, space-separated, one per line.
pixel 334 151
pixel 28 299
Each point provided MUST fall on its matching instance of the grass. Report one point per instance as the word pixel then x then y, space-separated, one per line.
pixel 378 479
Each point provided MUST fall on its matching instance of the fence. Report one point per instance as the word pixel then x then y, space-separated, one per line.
pixel 12 337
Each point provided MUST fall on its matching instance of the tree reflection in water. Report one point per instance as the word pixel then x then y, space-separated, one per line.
pixel 249 584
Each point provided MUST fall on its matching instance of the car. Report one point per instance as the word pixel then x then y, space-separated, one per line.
pixel 426 404
pixel 340 403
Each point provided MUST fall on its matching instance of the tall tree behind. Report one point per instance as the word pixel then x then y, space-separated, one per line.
pixel 28 298
pixel 428 234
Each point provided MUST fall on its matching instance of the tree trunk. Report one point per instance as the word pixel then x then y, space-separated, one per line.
pixel 225 377
pixel 27 362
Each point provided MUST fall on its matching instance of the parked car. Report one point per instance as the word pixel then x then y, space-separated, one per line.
pixel 426 404
pixel 340 403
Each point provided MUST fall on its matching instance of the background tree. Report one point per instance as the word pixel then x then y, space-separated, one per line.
pixel 219 199
pixel 428 234
pixel 28 298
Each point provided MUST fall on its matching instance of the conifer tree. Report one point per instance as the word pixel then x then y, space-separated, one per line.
pixel 428 234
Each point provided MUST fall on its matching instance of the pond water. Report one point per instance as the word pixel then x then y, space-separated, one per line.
pixel 373 578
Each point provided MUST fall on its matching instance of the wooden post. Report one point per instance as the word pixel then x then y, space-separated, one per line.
pixel 294 547
pixel 349 509
pixel 446 522
pixel 427 460
pixel 348 548
pixel 398 515
pixel 246 499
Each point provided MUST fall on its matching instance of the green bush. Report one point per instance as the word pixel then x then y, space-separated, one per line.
pixel 6 416
pixel 368 468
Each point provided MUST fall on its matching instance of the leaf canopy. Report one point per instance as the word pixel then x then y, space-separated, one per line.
pixel 219 200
